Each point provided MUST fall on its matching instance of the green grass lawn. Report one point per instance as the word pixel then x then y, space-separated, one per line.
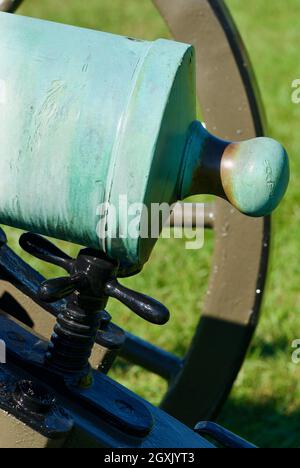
pixel 265 403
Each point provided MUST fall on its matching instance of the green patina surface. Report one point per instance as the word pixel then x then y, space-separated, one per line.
pixel 87 117
pixel 257 176
pixel 83 121
pixel 151 150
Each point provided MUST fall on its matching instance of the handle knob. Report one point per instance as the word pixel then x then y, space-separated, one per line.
pixel 90 275
pixel 143 306
pixel 41 248
pixel 252 175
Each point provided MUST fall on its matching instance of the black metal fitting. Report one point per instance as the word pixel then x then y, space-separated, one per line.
pixel 33 397
pixel 33 404
pixel 92 280
pixel 72 340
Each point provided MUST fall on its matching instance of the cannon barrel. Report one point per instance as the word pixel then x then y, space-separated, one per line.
pixel 87 118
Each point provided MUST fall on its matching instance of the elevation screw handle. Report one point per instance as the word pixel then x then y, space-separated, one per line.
pixel 143 306
pixel 43 249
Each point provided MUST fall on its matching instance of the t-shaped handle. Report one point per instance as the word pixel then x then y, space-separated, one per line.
pixel 252 175
pixel 90 275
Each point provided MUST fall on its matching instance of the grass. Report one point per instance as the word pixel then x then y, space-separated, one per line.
pixel 265 403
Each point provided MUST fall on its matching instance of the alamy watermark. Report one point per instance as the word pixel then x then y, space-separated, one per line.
pixel 137 221
pixel 296 352
pixel 2 352
pixel 296 91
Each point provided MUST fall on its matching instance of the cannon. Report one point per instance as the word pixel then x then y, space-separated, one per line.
pixel 119 120
pixel 161 154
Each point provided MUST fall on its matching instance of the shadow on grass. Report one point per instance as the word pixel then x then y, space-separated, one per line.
pixel 262 424
pixel 270 350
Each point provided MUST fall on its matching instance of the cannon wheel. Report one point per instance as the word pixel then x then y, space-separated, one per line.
pixel 199 384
